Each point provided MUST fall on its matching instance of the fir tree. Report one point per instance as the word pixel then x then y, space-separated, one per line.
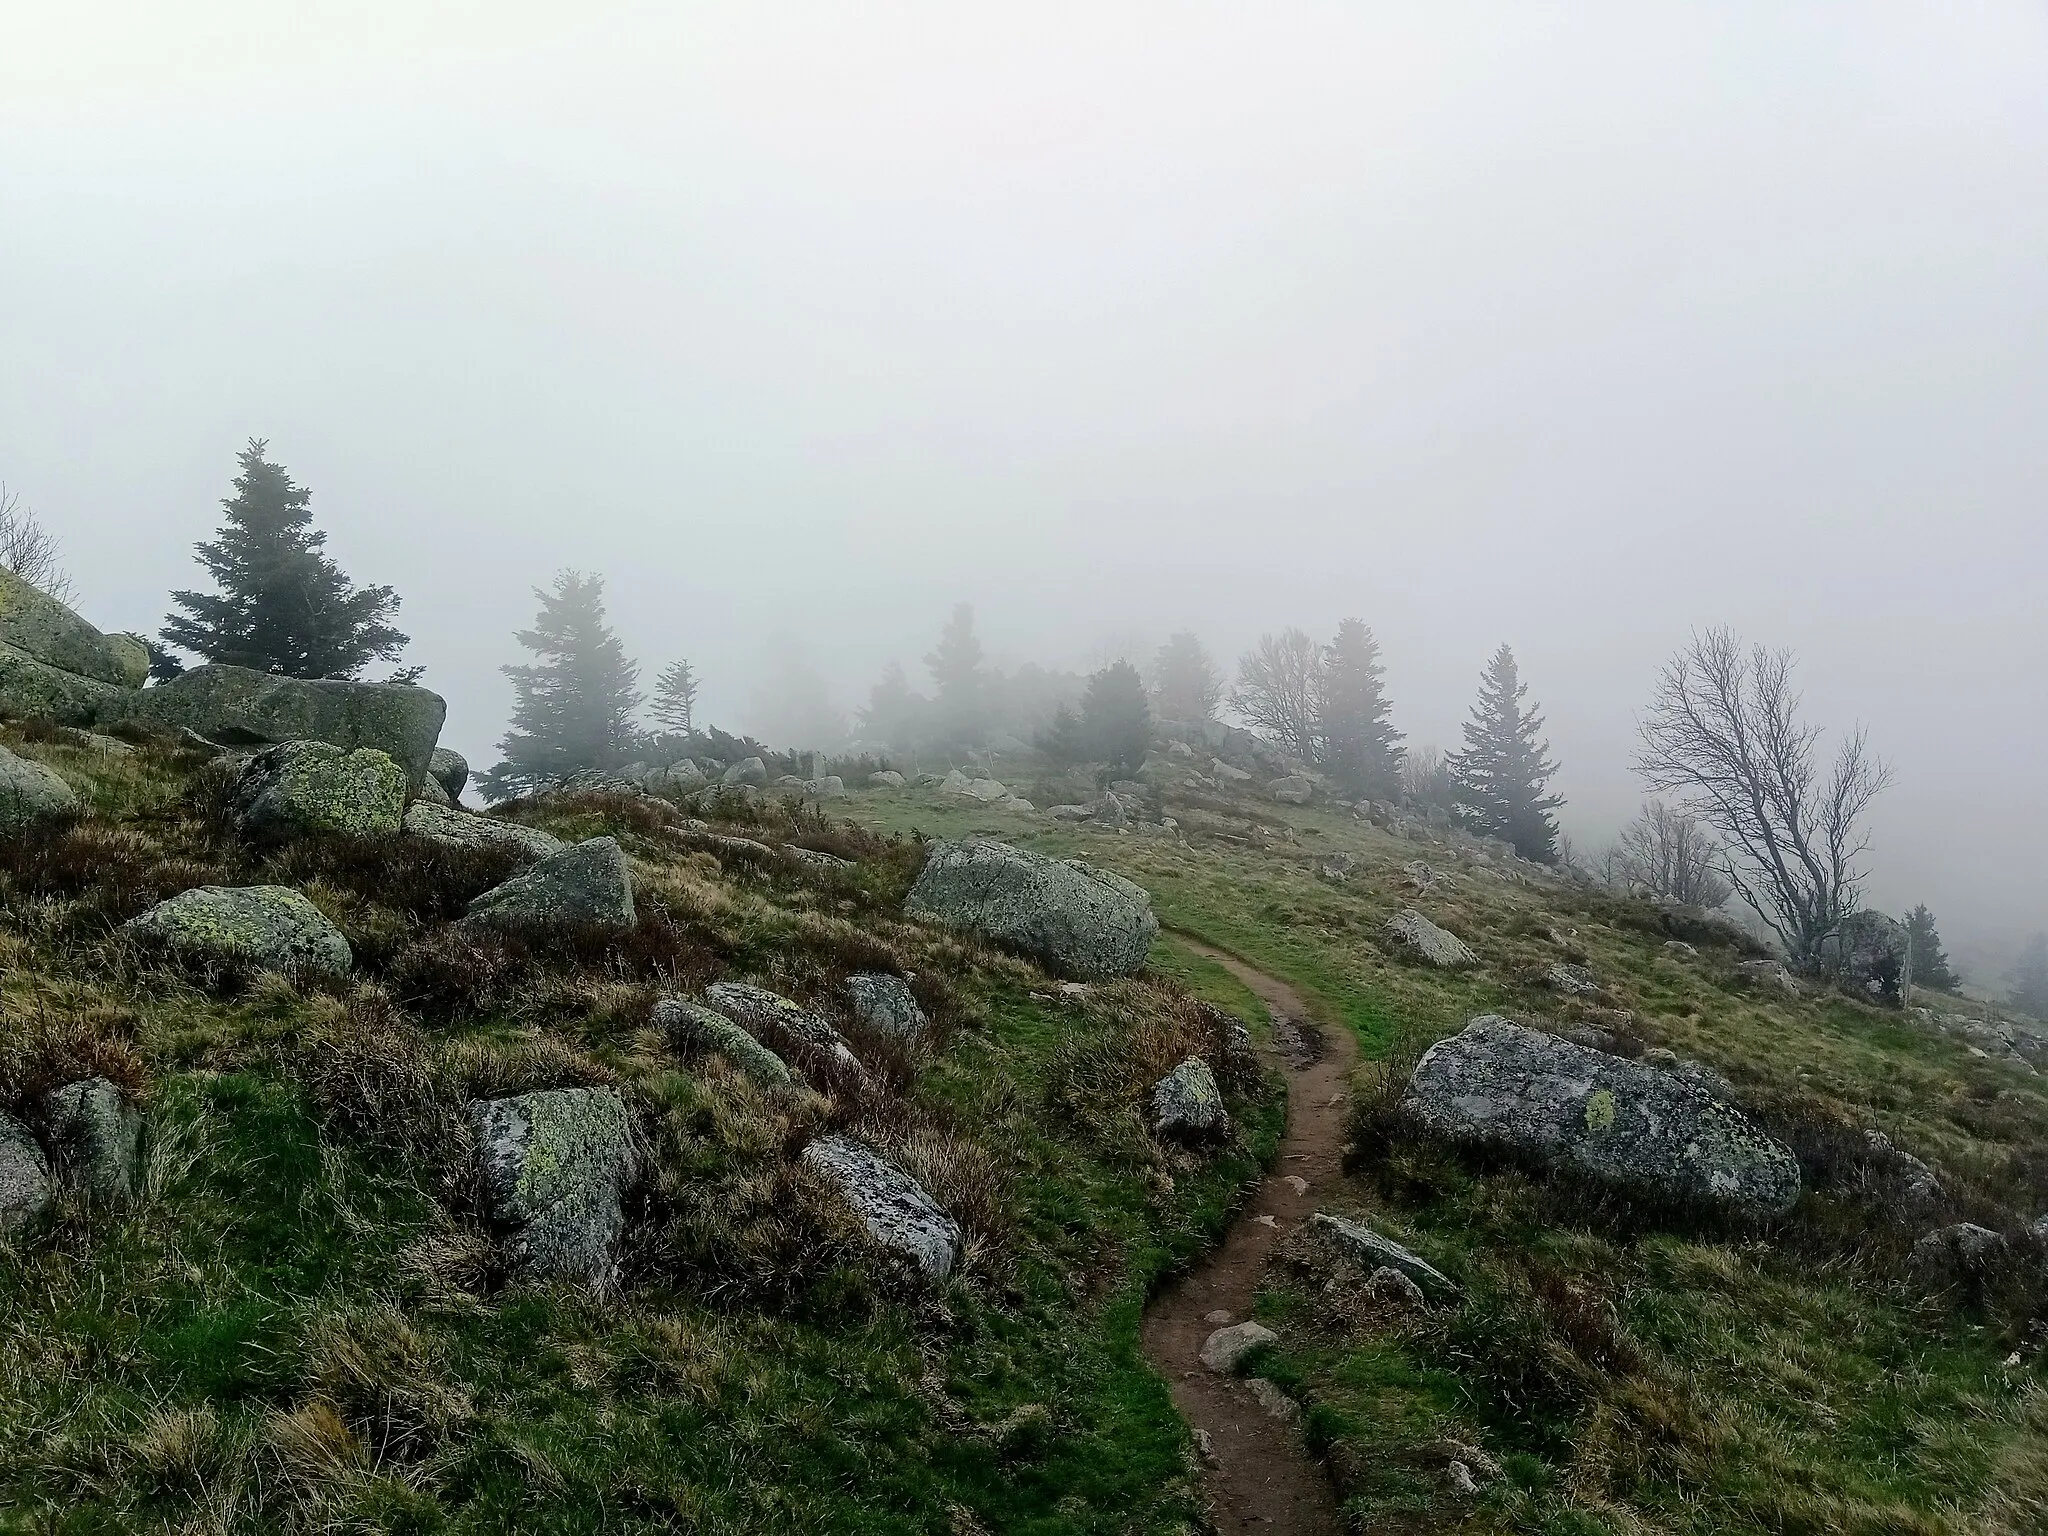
pixel 2030 978
pixel 283 606
pixel 1930 965
pixel 1502 773
pixel 1063 741
pixel 894 713
pixel 675 699
pixel 1186 684
pixel 962 703
pixel 575 708
pixel 1116 720
pixel 1361 748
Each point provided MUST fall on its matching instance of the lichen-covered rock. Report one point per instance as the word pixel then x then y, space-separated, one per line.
pixel 1423 939
pixel 1292 790
pixel 238 929
pixel 748 770
pixel 31 792
pixel 1519 1089
pixel 458 828
pixel 688 1023
pixel 828 787
pixel 886 1004
pixel 241 707
pixel 1767 976
pixel 24 1177
pixel 886 778
pixel 1076 920
pixel 1368 1248
pixel 1187 1103
pixel 556 1165
pixel 1224 1348
pixel 898 1214
pixel 1572 980
pixel 450 770
pixel 757 1009
pixel 299 787
pixel 1955 1254
pixel 37 625
pixel 35 690
pixel 587 883
pixel 682 777
pixel 95 1134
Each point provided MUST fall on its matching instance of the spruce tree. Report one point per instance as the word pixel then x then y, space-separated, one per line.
pixel 1063 741
pixel 2030 978
pixel 1186 684
pixel 574 709
pixel 894 713
pixel 284 606
pixel 1930 965
pixel 961 683
pixel 1502 773
pixel 1361 748
pixel 1116 719
pixel 675 698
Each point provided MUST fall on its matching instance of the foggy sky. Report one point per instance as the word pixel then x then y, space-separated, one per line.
pixel 1573 326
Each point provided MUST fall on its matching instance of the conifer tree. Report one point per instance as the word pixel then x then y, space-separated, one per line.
pixel 1063 740
pixel 2030 978
pixel 1361 748
pixel 574 708
pixel 961 683
pixel 284 606
pixel 893 713
pixel 675 698
pixel 1930 965
pixel 1502 773
pixel 1116 719
pixel 1186 684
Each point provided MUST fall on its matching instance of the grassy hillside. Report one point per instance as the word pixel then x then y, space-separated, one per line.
pixel 303 1323
pixel 1632 1368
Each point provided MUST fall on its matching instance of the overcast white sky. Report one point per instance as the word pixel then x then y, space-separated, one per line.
pixel 1568 325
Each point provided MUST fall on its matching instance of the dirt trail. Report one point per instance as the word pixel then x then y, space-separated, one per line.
pixel 1260 1475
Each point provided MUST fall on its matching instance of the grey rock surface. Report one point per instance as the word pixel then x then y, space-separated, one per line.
pixel 587 883
pixel 456 828
pixel 1224 1348
pixel 1421 938
pixel 1572 980
pixel 1078 921
pixel 31 792
pixel 707 1029
pixel 301 787
pixel 886 778
pixel 899 1216
pixel 1768 976
pixel 1187 1103
pixel 39 627
pixel 1392 1288
pixel 1292 790
pixel 24 1177
pixel 756 1009
pixel 1953 1254
pixel 35 690
pixel 1866 955
pixel 240 707
pixel 450 770
pixel 1500 1084
pixel 96 1135
pixel 886 1004
pixel 431 793
pixel 1366 1247
pixel 556 1165
pixel 239 929
pixel 748 770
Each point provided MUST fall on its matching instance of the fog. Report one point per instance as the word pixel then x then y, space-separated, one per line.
pixel 1574 327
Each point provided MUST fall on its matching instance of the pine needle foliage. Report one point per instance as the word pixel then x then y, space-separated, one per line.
pixel 1930 964
pixel 1505 767
pixel 675 698
pixel 283 606
pixel 1116 720
pixel 1360 745
pixel 960 679
pixel 1187 686
pixel 574 708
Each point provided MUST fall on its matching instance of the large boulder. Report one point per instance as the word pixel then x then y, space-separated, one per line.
pixel 759 1011
pixel 682 777
pixel 30 792
pixel 297 787
pixel 1292 790
pixel 556 1166
pixel 247 708
pixel 24 1177
pixel 36 690
pixel 1866 955
pixel 1078 921
pixel 455 828
pixel 898 1214
pixel 238 929
pixel 886 1004
pixel 1432 945
pixel 1520 1090
pixel 450 770
pixel 36 625
pixel 748 770
pixel 587 883
pixel 1187 1103
pixel 95 1134
pixel 692 1024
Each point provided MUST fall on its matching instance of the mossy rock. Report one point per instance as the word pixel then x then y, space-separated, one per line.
pixel 243 929
pixel 35 690
pixel 1074 919
pixel 556 1165
pixel 693 1024
pixel 96 1134
pixel 246 708
pixel 454 827
pixel 36 624
pixel 31 792
pixel 299 787
pixel 589 883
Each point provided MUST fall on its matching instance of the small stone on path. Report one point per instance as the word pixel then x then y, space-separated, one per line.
pixel 1297 1183
pixel 1226 1346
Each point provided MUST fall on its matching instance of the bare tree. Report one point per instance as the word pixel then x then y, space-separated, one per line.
pixel 1724 733
pixel 30 550
pixel 1426 777
pixel 1280 691
pixel 1670 853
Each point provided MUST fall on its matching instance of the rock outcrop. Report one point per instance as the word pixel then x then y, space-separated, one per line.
pixel 886 1004
pixel 95 1134
pixel 450 770
pixel 300 787
pixel 1076 920
pixel 556 1165
pixel 240 929
pixel 692 1024
pixel 241 707
pixel 588 883
pixel 1421 938
pixel 24 1177
pixel 1186 1103
pixel 30 792
pixel 455 828
pixel 54 665
pixel 1502 1085
pixel 1866 955
pixel 899 1216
